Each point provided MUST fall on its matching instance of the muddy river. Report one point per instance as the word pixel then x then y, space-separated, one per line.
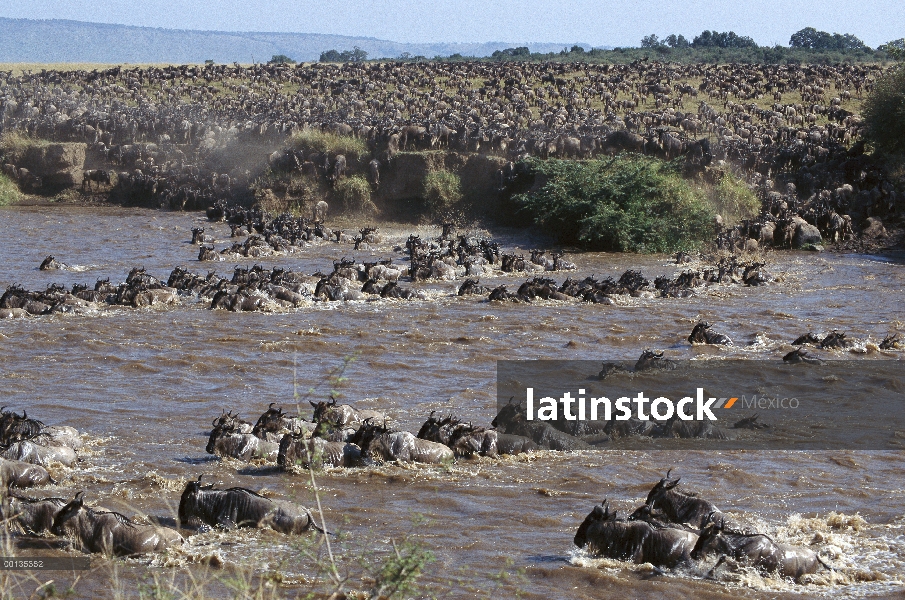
pixel 144 384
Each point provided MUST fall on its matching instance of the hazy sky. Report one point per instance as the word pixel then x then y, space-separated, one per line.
pixel 600 22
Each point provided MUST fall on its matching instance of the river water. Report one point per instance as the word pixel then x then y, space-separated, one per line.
pixel 144 384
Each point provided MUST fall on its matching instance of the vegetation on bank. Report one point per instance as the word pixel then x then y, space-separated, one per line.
pixel 884 113
pixel 629 203
pixel 9 191
pixel 313 140
pixel 441 190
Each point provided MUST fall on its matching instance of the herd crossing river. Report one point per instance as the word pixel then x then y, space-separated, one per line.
pixel 142 385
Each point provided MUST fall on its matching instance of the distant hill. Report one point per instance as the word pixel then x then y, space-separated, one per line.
pixel 57 41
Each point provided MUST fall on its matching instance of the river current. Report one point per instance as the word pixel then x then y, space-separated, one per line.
pixel 144 384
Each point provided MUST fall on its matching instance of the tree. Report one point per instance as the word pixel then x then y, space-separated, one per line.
pixel 280 59
pixel 650 41
pixel 674 41
pixel 884 113
pixel 811 39
pixel 354 55
pixel 521 51
pixel 895 48
pixel 576 50
pixel 726 39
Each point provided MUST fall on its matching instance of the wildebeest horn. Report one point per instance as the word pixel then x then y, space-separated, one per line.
pixel 312 404
pixel 214 422
pixel 667 474
pixel 199 478
pixel 77 494
pixel 270 407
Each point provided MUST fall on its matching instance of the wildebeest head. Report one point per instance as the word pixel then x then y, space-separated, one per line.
pixel 70 511
pixel 507 414
pixel 322 409
pixel 600 514
pixel 270 421
pixel 15 428
pixel 658 493
pixel 368 431
pixel 189 498
pixel 709 538
pixel 224 424
pixel 697 334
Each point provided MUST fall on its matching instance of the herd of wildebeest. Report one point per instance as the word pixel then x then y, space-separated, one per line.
pixel 791 130
pixel 668 531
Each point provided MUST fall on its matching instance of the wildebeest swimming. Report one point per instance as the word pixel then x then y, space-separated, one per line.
pixel 18 474
pixel 380 444
pixel 110 533
pixel 701 334
pixel 316 453
pixel 32 515
pixel 636 541
pixel 240 507
pixel 756 550
pixel 680 508
pixel 29 440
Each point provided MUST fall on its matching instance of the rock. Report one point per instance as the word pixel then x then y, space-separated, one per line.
pixel 813 248
pixel 58 165
pixel 750 245
pixel 806 234
pixel 873 228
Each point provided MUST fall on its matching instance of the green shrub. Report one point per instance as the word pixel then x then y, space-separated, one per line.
pixel 441 190
pixel 629 203
pixel 733 200
pixel 9 191
pixel 320 141
pixel 355 193
pixel 884 113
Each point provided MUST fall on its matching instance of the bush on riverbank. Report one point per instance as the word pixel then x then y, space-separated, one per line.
pixel 355 192
pixel 9 191
pixel 884 113
pixel 733 200
pixel 441 191
pixel 628 203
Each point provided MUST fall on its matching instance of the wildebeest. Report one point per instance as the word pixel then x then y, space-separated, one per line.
pixel 36 454
pixel 232 437
pixel 111 533
pixel 52 264
pixel 15 428
pixel 701 334
pixel 96 176
pixel 756 550
pixel 32 515
pixel 16 473
pixel 320 212
pixel 343 414
pixel 380 444
pixel 635 541
pixel 680 508
pixel 273 424
pixel 316 453
pixel 511 420
pixel 240 507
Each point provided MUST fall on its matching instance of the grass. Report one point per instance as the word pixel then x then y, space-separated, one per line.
pixel 355 193
pixel 9 191
pixel 733 200
pixel 441 191
pixel 629 203
pixel 319 141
